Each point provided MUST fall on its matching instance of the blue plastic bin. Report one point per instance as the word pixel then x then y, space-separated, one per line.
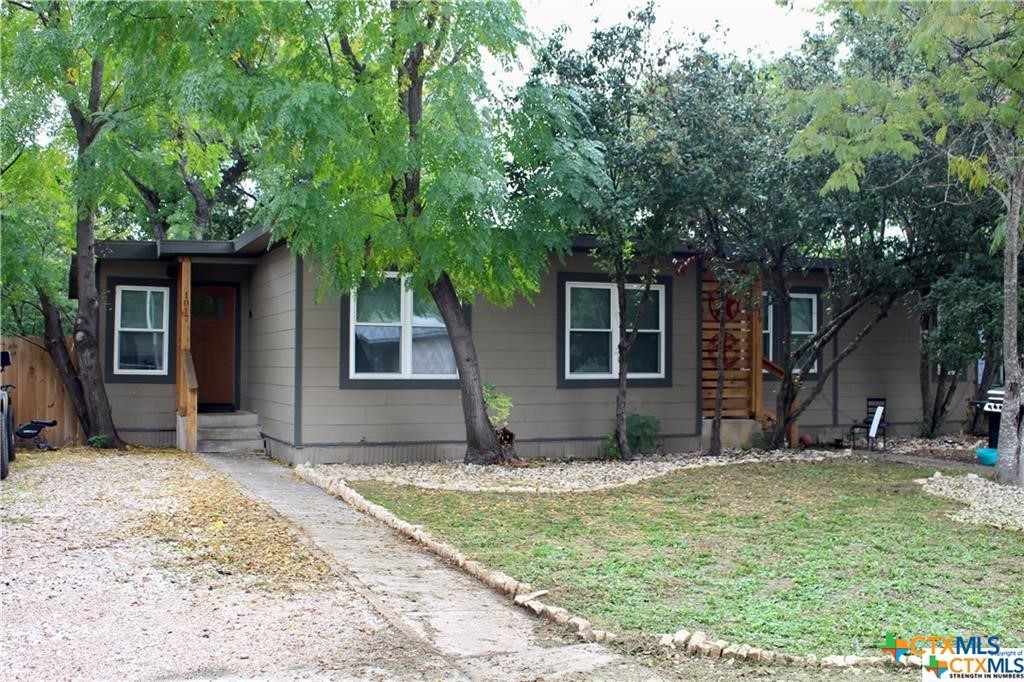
pixel 987 456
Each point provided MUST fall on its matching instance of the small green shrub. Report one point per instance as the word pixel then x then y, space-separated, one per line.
pixel 610 447
pixel 499 406
pixel 761 440
pixel 642 432
pixel 98 441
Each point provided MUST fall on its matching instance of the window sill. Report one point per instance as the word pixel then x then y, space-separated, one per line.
pixel 399 383
pixel 659 382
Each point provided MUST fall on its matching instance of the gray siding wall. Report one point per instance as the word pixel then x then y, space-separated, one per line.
pixel 143 412
pixel 884 365
pixel 268 387
pixel 517 349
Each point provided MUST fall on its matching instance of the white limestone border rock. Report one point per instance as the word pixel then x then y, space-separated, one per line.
pixel 698 644
pixel 523 594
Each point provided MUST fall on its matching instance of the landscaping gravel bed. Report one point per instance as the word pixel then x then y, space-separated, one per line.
pixel 87 592
pixel 988 503
pixel 954 447
pixel 554 476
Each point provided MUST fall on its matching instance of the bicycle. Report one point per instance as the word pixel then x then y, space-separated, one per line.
pixel 6 422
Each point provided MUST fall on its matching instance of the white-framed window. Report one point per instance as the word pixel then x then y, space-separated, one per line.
pixel 397 333
pixel 141 333
pixel 767 328
pixel 592 331
pixel 803 318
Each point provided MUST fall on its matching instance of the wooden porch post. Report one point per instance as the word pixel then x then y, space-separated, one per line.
pixel 186 385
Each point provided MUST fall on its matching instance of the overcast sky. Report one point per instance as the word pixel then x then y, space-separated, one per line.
pixel 761 27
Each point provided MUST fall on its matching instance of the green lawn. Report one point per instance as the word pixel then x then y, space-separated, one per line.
pixel 803 558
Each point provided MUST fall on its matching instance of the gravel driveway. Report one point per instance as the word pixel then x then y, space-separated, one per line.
pixel 91 592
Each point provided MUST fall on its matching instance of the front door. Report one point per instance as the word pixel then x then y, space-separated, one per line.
pixel 213 346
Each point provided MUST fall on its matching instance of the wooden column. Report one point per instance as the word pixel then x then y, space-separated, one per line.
pixel 186 385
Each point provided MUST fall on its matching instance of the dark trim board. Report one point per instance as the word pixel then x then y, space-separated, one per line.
pixel 172 329
pixel 698 356
pixel 297 402
pixel 563 383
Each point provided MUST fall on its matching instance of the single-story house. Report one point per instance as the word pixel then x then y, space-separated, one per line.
pixel 231 331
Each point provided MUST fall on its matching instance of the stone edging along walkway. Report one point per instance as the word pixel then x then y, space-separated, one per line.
pixel 523 594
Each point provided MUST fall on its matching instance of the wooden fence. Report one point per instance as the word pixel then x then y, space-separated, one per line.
pixel 39 392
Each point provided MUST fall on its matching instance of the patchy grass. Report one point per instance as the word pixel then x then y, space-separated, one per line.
pixel 804 558
pixel 213 525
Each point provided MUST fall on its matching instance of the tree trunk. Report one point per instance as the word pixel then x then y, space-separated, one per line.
pixel 101 430
pixel 53 338
pixel 621 437
pixel 204 210
pixel 151 200
pixel 715 447
pixel 1008 464
pixel 924 376
pixel 787 389
pixel 482 446
pixel 934 404
pixel 938 407
pixel 90 370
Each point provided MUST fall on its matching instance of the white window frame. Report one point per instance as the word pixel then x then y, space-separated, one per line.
pixel 613 301
pixel 165 330
pixel 814 324
pixel 768 330
pixel 405 338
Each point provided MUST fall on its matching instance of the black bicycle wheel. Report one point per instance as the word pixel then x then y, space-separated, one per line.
pixel 4 447
pixel 9 424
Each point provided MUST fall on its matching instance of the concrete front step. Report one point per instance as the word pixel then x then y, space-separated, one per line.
pixel 229 432
pixel 228 419
pixel 248 445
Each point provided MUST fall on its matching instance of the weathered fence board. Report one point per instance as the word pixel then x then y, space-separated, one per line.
pixel 39 392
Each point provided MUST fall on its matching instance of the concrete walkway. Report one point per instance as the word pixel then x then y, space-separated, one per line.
pixel 478 631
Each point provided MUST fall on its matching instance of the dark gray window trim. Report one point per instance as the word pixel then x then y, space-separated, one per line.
pixel 344 381
pixel 237 286
pixel 172 329
pixel 562 382
pixel 698 268
pixel 777 344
